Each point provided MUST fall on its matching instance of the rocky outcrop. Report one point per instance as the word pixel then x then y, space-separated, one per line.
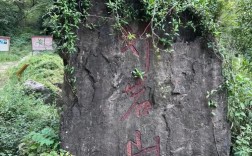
pixel 164 114
pixel 40 90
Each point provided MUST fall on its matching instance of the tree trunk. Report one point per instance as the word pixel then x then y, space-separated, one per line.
pixel 110 113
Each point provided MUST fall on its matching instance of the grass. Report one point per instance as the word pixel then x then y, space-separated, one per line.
pixel 4 75
pixel 21 113
pixel 20 46
pixel 16 52
pixel 46 68
pixel 8 57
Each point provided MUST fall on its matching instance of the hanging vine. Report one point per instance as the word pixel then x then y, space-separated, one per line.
pixel 165 18
pixel 62 19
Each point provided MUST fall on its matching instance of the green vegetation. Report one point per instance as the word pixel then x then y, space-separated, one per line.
pixel 63 18
pixel 27 124
pixel 19 16
pixel 234 44
pixel 20 47
pixel 242 30
pixel 137 73
pixel 167 18
pixel 46 68
pixel 229 22
pixel 22 114
pixel 43 143
pixel 21 20
pixel 9 16
pixel 70 78
pixel 239 85
pixel 8 57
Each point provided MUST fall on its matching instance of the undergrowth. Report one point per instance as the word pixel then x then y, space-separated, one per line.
pixel 27 125
pixel 234 44
pixel 46 68
pixel 239 86
pixel 21 114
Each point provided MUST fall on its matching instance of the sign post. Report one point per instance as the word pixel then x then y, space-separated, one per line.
pixel 4 43
pixel 42 43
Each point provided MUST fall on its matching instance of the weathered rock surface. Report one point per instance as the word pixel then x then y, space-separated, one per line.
pixel 166 114
pixel 35 87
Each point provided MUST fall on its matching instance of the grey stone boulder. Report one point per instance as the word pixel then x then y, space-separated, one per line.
pixel 107 112
pixel 35 86
pixel 40 90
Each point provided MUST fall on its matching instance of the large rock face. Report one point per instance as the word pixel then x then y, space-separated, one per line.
pixel 165 114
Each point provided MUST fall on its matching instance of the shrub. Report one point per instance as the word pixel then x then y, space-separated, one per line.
pixel 25 121
pixel 46 68
pixel 20 114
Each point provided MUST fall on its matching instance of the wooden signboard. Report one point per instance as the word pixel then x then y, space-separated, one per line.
pixel 4 43
pixel 40 43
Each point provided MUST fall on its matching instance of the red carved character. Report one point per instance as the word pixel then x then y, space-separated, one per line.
pixel 135 91
pixel 142 151
pixel 129 44
pixel 143 108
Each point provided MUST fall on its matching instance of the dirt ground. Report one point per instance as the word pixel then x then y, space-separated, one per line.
pixel 3 71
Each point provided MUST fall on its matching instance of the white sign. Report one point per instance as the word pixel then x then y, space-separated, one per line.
pixel 42 43
pixel 4 43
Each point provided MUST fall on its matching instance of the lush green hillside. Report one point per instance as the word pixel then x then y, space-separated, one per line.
pixel 28 125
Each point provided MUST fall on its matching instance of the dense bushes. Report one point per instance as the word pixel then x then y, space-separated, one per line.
pixel 9 17
pixel 242 32
pixel 27 125
pixel 21 114
pixel 17 14
pixel 239 86
pixel 46 69
pixel 234 44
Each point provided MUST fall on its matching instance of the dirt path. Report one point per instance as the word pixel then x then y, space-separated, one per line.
pixel 3 69
pixel 4 66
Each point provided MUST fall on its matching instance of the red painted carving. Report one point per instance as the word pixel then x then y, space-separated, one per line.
pixel 132 89
pixel 135 91
pixel 143 108
pixel 129 44
pixel 142 151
